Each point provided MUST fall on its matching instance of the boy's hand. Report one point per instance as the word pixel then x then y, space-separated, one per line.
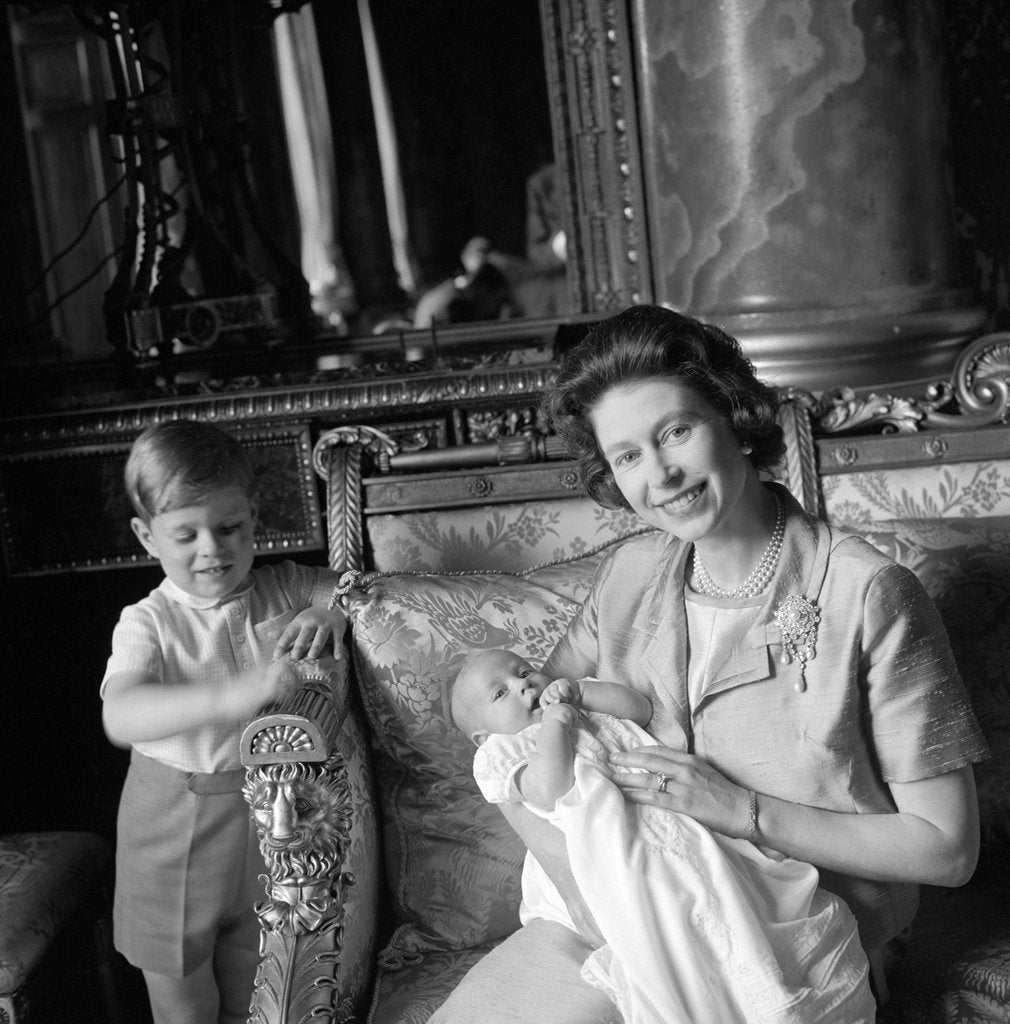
pixel 561 691
pixel 307 633
pixel 563 714
pixel 245 694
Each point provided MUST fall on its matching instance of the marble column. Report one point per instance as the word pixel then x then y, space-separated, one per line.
pixel 795 182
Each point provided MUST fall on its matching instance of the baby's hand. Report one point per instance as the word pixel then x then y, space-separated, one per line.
pixel 561 691
pixel 308 631
pixel 563 714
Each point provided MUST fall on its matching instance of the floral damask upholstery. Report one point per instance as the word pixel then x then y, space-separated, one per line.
pixel 951 525
pixel 502 537
pixel 44 878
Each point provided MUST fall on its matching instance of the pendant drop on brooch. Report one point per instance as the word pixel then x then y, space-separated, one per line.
pixel 797 619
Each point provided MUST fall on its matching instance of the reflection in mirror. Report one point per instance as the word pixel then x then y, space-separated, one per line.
pixel 420 143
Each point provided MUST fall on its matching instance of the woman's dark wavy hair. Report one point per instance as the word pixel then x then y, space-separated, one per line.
pixel 646 342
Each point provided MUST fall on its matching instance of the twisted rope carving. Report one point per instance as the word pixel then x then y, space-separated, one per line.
pixel 337 459
pixel 801 452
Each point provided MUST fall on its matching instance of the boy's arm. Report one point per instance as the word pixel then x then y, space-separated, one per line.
pixel 550 772
pixel 615 699
pixel 138 707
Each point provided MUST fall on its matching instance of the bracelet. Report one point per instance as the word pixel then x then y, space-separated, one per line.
pixel 752 824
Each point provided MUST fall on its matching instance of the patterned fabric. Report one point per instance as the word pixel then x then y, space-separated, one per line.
pixel 362 860
pixel 964 490
pixel 453 860
pixel 499 537
pixel 43 879
pixel 951 525
pixel 413 993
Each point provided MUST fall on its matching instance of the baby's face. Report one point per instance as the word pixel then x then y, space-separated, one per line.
pixel 501 693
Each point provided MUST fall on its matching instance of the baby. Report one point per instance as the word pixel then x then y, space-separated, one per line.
pixel 697 925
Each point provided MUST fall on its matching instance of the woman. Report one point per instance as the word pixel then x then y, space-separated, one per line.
pixel 804 691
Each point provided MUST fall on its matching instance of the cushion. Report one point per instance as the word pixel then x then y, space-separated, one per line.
pixel 453 861
pixel 964 565
pixel 533 977
pixel 44 878
pixel 412 993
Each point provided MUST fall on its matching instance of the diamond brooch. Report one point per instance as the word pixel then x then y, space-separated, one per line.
pixel 797 619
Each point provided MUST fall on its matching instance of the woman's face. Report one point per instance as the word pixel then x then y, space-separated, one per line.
pixel 677 462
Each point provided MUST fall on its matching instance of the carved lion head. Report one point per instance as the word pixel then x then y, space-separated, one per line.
pixel 303 815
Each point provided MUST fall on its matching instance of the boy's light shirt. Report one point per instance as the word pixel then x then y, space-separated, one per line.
pixel 171 634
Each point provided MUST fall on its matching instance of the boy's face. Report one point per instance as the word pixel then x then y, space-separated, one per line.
pixel 501 693
pixel 205 549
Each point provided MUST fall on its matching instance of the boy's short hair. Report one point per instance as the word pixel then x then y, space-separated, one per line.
pixel 177 463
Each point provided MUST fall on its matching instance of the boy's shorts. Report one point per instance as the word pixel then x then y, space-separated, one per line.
pixel 187 868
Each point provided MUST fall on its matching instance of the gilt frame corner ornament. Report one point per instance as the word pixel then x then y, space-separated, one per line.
pixel 977 395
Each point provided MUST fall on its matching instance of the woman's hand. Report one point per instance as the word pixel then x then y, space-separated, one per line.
pixel 693 787
pixel 931 838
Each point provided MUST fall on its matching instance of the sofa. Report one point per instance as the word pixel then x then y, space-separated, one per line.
pixel 396 877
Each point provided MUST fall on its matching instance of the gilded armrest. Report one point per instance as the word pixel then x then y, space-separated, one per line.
pixel 299 794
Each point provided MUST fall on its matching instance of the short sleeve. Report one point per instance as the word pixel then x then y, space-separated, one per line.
pixel 136 646
pixel 921 718
pixel 496 762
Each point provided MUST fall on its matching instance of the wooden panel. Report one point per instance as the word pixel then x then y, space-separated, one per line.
pixel 65 509
pixel 489 486
pixel 852 454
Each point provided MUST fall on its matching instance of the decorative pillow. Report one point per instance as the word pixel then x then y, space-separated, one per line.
pixel 454 863
pixel 964 565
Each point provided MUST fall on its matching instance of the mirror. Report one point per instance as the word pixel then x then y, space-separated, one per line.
pixel 444 199
pixel 165 215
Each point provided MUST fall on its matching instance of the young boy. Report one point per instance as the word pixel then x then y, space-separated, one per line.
pixel 698 926
pixel 190 664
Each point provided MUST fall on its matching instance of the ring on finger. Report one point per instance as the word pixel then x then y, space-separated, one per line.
pixel 663 780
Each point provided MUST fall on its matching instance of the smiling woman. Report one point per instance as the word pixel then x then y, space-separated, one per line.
pixel 804 694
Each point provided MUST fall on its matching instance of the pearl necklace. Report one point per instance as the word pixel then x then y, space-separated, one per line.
pixel 763 571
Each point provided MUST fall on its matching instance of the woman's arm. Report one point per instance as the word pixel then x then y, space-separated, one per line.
pixel 933 837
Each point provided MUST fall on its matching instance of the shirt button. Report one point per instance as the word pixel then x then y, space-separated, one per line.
pixel 235 610
pixel 247 664
pixel 240 638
